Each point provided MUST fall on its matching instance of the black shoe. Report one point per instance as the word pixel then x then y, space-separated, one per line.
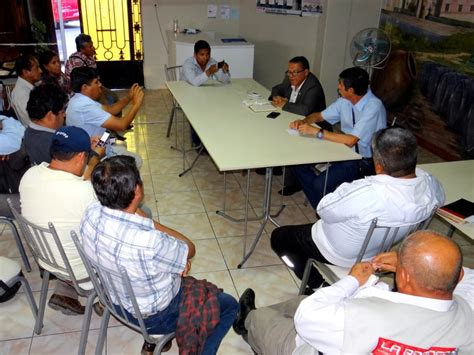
pixel 147 348
pixel 277 171
pixel 290 190
pixel 66 305
pixel 247 304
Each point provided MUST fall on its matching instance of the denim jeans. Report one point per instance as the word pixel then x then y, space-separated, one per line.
pixel 166 320
pixel 313 185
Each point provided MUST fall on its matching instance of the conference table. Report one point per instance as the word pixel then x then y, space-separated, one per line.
pixel 457 178
pixel 238 138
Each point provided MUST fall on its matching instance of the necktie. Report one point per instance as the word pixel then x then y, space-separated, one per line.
pixel 353 125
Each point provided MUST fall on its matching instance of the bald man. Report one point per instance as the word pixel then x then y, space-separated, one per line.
pixel 359 315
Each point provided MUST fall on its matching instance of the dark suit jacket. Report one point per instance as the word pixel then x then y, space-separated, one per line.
pixel 310 97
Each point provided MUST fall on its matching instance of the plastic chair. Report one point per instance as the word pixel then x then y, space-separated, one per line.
pixel 42 242
pixel 10 274
pixel 9 222
pixel 107 282
pixel 391 235
pixel 172 74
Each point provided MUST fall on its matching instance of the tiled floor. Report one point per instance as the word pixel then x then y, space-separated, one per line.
pixel 189 205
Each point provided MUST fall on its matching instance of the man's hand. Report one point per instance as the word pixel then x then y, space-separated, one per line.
pixel 99 150
pixel 187 268
pixel 279 101
pixel 212 69
pixel 225 68
pixel 308 130
pixel 386 261
pixel 362 272
pixel 296 124
pixel 136 94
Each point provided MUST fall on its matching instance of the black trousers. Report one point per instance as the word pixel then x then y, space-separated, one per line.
pixel 296 243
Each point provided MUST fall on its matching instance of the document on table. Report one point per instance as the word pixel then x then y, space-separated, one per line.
pixel 263 107
pixel 293 132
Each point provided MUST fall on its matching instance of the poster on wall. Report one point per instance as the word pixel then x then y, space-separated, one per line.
pixel 431 68
pixel 291 7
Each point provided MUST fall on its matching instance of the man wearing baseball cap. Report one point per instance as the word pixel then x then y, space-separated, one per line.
pixel 58 192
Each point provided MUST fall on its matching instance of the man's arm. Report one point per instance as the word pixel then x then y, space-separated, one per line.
pixel 223 74
pixel 11 135
pixel 315 117
pixel 319 319
pixel 193 75
pixel 121 124
pixel 118 106
pixel 177 235
pixel 99 152
pixel 347 139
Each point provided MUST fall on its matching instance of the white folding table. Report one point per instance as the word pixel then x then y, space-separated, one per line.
pixel 237 138
pixel 457 178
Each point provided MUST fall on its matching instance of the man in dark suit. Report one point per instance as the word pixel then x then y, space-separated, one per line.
pixel 300 92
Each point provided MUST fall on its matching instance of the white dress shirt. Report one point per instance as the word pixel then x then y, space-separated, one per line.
pixel 194 75
pixel 11 135
pixel 20 97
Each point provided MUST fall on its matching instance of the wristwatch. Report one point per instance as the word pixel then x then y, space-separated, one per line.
pixel 320 134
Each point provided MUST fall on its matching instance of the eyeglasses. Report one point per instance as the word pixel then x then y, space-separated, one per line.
pixel 294 73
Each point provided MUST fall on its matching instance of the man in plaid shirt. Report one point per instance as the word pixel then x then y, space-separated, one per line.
pixel 116 233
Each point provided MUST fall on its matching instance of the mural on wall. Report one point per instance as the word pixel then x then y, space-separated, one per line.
pixel 428 81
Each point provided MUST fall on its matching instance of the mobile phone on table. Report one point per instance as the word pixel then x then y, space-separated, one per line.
pixel 220 64
pixel 273 114
pixel 103 140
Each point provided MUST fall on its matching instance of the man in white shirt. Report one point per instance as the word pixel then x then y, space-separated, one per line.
pixel 86 112
pixel 199 68
pixel 57 192
pixel 353 316
pixel 29 73
pixel 398 195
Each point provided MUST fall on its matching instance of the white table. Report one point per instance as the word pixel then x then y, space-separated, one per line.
pixel 237 138
pixel 457 179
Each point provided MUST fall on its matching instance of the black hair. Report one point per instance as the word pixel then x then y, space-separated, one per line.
pixel 81 76
pixel 201 44
pixel 114 181
pixel 61 156
pixel 81 41
pixel 44 59
pixel 301 60
pixel 395 149
pixel 355 78
pixel 45 98
pixel 25 62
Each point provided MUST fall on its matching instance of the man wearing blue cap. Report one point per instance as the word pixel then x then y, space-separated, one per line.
pixel 63 179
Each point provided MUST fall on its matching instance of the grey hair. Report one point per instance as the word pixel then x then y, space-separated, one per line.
pixel 81 41
pixel 395 149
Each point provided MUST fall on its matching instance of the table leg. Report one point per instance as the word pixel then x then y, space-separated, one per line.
pixel 266 217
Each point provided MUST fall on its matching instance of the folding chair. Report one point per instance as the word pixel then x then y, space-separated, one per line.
pixel 391 235
pixel 107 282
pixel 172 74
pixel 9 222
pixel 10 274
pixel 42 243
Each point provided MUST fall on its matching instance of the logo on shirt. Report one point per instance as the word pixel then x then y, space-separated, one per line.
pixel 389 347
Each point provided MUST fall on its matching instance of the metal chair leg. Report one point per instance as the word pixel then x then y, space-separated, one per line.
pixel 42 302
pixel 103 332
pixel 30 299
pixel 86 322
pixel 18 242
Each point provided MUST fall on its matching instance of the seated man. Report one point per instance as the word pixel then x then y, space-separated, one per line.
pixel 197 69
pixel 155 257
pixel 352 316
pixel 300 92
pixel 29 73
pixel 361 114
pixel 84 57
pixel 58 193
pixel 398 195
pixel 86 112
pixel 47 108
pixel 13 163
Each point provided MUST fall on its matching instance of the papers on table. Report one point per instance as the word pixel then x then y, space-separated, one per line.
pixel 262 107
pixel 293 132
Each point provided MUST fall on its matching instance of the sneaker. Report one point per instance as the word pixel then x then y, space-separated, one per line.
pixel 66 305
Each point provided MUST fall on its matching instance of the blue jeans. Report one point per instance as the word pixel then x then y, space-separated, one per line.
pixel 313 185
pixel 165 321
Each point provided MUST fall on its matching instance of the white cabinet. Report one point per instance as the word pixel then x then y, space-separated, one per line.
pixel 239 55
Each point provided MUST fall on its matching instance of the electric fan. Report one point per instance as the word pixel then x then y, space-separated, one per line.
pixel 370 48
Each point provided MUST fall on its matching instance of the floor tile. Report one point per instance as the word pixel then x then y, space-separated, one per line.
pixel 208 256
pixel 179 203
pixel 193 225
pixel 17 347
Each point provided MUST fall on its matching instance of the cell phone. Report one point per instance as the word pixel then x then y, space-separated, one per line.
pixel 103 140
pixel 273 114
pixel 220 64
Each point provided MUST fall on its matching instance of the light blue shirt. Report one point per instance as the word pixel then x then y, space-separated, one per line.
pixel 11 135
pixel 193 74
pixel 370 117
pixel 86 113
